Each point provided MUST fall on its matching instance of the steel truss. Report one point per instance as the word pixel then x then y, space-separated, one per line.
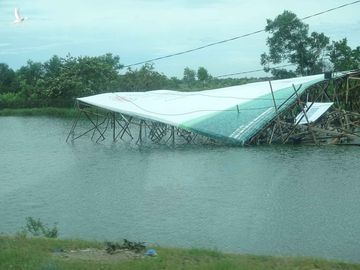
pixel 128 129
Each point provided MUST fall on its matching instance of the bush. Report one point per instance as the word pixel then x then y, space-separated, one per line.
pixel 37 228
pixel 11 100
pixel 137 247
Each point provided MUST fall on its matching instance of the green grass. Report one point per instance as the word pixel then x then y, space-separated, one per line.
pixel 46 111
pixel 37 253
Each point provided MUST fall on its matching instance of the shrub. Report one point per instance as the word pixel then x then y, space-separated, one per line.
pixel 137 247
pixel 37 228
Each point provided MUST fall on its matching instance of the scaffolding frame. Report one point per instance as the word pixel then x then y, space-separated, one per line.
pixel 340 125
pixel 129 129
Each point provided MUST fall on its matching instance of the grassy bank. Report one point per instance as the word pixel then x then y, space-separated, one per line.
pixel 40 253
pixel 48 111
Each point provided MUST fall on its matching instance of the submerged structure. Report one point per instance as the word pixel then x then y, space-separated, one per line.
pixel 313 109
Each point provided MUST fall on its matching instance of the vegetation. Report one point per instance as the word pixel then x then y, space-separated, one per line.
pixel 343 57
pixel 290 42
pixel 40 253
pixel 58 81
pixel 46 111
pixel 37 228
pixel 138 247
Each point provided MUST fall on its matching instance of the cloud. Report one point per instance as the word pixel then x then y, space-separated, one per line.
pixel 139 30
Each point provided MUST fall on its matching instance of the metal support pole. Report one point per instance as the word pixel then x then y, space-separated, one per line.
pixel 277 114
pixel 106 127
pixel 173 136
pixel 125 127
pixel 113 126
pixel 97 123
pixel 72 130
pixel 140 132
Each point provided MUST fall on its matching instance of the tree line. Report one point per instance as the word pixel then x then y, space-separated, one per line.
pixel 58 81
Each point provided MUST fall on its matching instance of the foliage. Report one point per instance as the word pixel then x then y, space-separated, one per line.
pixel 343 57
pixel 111 247
pixel 290 42
pixel 58 81
pixel 11 100
pixel 202 74
pixel 189 75
pixel 38 253
pixel 8 81
pixel 280 73
pixel 37 228
pixel 47 111
pixel 144 79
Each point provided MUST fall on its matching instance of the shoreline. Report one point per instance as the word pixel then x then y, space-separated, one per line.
pixel 45 111
pixel 20 252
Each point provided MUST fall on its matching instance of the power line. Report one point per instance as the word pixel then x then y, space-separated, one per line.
pixel 331 9
pixel 235 38
pixel 196 49
pixel 251 71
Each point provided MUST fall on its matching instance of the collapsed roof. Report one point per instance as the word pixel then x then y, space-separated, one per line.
pixel 231 114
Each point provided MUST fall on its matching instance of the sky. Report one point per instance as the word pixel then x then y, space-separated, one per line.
pixel 138 30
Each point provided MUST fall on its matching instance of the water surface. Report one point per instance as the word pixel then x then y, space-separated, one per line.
pixel 283 200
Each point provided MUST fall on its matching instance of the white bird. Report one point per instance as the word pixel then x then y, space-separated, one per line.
pixel 18 18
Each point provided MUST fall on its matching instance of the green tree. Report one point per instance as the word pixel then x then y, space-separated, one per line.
pixel 202 74
pixel 31 74
pixel 71 77
pixel 53 67
pixel 8 79
pixel 31 80
pixel 189 75
pixel 343 57
pixel 144 79
pixel 290 42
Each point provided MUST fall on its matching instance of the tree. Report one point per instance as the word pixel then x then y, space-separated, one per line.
pixel 290 42
pixel 31 80
pixel 8 79
pixel 58 81
pixel 31 74
pixel 146 78
pixel 202 74
pixel 343 57
pixel 189 75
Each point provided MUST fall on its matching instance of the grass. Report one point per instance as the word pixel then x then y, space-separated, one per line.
pixel 19 252
pixel 46 111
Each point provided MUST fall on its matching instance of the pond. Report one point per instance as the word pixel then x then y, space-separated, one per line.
pixel 272 200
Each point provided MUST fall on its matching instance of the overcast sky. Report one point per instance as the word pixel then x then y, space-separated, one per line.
pixel 139 30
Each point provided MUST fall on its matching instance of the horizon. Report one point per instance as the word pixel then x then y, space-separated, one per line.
pixel 141 30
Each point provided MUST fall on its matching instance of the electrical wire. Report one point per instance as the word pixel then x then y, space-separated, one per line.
pixel 252 71
pixel 329 10
pixel 234 38
pixel 196 49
